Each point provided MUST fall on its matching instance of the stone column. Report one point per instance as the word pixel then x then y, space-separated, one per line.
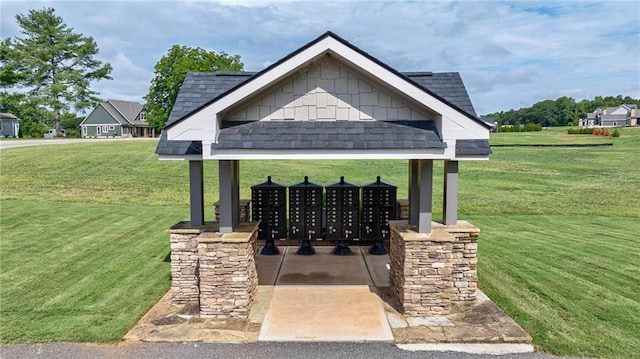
pixel 431 271
pixel 228 276
pixel 184 264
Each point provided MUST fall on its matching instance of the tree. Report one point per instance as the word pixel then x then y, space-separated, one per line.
pixel 171 70
pixel 34 119
pixel 53 63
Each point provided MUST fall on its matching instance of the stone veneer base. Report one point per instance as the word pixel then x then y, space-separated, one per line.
pixel 215 271
pixel 429 272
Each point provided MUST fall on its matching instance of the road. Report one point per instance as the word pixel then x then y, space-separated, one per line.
pixel 241 351
pixel 63 141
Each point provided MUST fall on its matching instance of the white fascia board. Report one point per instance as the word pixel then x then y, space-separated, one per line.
pixel 180 157
pixel 366 154
pixel 473 158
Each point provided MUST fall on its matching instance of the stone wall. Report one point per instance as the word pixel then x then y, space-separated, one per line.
pixel 431 271
pixel 213 270
pixel 245 213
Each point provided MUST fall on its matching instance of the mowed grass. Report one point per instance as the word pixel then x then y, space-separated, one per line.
pixel 83 248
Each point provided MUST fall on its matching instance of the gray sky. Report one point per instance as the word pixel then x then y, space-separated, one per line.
pixel 510 54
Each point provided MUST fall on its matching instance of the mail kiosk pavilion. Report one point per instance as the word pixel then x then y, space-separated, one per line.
pixel 326 100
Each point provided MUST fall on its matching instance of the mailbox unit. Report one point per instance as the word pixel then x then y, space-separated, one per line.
pixel 378 207
pixel 305 214
pixel 343 207
pixel 270 208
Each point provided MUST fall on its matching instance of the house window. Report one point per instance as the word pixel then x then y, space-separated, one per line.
pixel 84 130
pixel 98 130
pixel 105 128
pixel 111 128
pixel 143 116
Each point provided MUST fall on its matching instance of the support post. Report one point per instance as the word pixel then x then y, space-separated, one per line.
pixel 235 192
pixel 225 182
pixel 414 192
pixel 450 196
pixel 196 193
pixel 426 196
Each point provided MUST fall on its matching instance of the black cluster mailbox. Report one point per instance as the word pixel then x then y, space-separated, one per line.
pixel 378 207
pixel 305 214
pixel 343 207
pixel 270 208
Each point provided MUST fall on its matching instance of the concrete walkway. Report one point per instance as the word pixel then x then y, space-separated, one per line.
pixel 328 298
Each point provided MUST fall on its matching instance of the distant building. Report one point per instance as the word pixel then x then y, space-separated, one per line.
pixel 115 118
pixel 620 116
pixel 491 122
pixel 9 125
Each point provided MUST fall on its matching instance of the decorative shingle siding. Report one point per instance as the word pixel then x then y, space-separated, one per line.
pixel 326 90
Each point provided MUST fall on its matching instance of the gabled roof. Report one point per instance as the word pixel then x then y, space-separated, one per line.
pixel 125 112
pixel 469 112
pixel 200 88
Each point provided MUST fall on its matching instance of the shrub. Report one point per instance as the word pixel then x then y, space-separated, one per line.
pixel 601 132
pixel 615 133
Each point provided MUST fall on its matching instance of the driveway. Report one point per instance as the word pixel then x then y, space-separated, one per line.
pixel 241 351
pixel 63 141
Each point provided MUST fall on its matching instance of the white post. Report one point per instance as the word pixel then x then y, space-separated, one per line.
pixel 196 193
pixel 426 195
pixel 450 198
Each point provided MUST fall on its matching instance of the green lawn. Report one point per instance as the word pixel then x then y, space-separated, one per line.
pixel 83 249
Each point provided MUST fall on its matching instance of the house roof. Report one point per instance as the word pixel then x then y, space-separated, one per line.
pixel 123 112
pixel 457 92
pixel 204 96
pixel 199 88
pixel 8 116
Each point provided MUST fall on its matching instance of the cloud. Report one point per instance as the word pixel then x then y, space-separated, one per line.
pixel 510 54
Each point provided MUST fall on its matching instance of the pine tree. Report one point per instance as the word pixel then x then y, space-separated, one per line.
pixel 54 64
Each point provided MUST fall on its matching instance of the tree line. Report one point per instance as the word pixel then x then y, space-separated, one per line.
pixel 564 111
pixel 46 75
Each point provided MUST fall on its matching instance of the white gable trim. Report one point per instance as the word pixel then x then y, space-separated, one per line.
pixel 202 125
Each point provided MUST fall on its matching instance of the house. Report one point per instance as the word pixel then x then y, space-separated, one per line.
pixel 328 100
pixel 115 118
pixel 491 121
pixel 620 116
pixel 9 125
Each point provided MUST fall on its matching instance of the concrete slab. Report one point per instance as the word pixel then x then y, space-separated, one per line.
pixel 378 267
pixel 325 313
pixel 323 268
pixel 269 266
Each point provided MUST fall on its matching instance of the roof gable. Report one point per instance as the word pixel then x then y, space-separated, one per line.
pixel 128 110
pixel 200 121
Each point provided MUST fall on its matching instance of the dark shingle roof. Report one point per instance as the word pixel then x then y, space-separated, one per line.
pixel 200 88
pixel 174 148
pixel 447 85
pixel 472 147
pixel 124 112
pixel 330 135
